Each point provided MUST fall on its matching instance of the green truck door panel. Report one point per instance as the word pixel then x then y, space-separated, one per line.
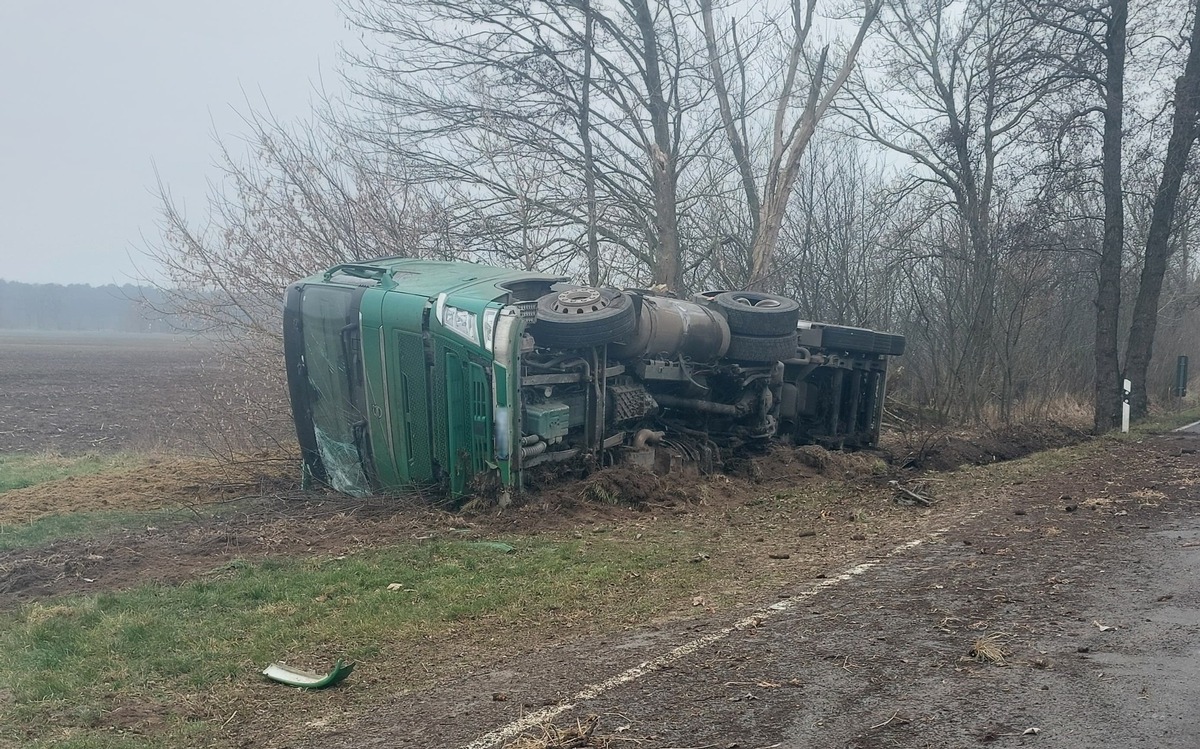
pixel 465 404
pixel 481 417
pixel 400 408
pixel 455 429
pixel 410 404
pixel 375 371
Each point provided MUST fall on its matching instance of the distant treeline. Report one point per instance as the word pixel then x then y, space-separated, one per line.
pixel 52 306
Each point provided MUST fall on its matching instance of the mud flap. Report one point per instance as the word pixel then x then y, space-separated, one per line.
pixel 295 677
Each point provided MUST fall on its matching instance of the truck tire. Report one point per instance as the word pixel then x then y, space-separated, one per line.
pixel 863 340
pixel 757 314
pixel 761 348
pixel 583 317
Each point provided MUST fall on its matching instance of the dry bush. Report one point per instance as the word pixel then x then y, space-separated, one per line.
pixel 302 199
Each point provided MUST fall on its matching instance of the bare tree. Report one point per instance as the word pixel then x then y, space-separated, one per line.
pixel 831 254
pixel 601 95
pixel 796 103
pixel 1091 53
pixel 300 199
pixel 1111 84
pixel 955 91
pixel 1158 245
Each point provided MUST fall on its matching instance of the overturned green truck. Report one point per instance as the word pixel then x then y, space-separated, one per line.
pixel 407 373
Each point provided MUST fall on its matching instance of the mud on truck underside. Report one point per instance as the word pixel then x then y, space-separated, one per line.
pixel 415 373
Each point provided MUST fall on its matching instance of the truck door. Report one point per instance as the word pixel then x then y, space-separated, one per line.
pixel 466 416
pixel 403 399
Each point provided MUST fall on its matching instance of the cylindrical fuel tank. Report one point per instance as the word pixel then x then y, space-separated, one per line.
pixel 669 328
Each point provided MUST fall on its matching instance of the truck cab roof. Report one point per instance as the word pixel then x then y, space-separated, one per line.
pixel 433 278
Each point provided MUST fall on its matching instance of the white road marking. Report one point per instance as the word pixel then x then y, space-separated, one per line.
pixel 1187 427
pixel 591 692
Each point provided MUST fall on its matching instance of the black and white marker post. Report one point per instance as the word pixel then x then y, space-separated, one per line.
pixel 1126 386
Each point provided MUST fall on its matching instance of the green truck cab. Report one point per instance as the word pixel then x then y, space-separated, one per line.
pixel 413 373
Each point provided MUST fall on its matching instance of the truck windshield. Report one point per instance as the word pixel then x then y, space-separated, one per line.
pixel 332 352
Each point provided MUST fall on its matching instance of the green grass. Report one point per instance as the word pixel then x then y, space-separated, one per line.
pixel 18 471
pixel 67 661
pixel 76 525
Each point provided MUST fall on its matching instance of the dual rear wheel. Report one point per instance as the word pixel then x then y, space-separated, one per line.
pixel 762 326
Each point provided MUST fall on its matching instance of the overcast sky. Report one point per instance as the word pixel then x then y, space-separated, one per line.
pixel 95 95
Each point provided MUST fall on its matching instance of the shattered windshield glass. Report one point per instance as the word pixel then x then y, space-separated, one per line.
pixel 332 363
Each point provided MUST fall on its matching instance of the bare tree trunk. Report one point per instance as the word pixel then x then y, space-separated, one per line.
pixel 790 133
pixel 585 135
pixel 1158 247
pixel 1108 296
pixel 981 300
pixel 668 267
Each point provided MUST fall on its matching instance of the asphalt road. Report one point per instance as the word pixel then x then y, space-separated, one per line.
pixel 1193 428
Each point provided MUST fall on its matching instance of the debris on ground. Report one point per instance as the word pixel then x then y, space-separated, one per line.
pixel 579 736
pixel 917 494
pixel 499 546
pixel 295 677
pixel 990 649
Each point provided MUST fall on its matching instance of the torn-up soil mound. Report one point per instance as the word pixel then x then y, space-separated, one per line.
pixel 810 461
pixel 623 486
pixel 743 475
pixel 945 450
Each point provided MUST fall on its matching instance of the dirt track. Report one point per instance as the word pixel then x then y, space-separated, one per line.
pixel 1084 581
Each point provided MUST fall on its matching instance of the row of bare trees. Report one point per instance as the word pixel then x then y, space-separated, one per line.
pixel 1007 182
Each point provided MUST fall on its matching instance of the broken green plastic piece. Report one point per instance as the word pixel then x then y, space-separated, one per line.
pixel 295 677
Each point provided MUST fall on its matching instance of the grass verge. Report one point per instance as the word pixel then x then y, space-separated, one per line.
pixel 18 471
pixel 160 666
pixel 75 525
pixel 1165 422
pixel 178 666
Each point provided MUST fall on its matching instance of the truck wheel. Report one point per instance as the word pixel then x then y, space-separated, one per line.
pixel 757 314
pixel 758 348
pixel 583 317
pixel 862 340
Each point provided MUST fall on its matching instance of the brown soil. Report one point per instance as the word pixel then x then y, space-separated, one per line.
pixel 79 392
pixel 183 542
pixel 163 482
pixel 185 545
pixel 270 517
pixel 944 449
